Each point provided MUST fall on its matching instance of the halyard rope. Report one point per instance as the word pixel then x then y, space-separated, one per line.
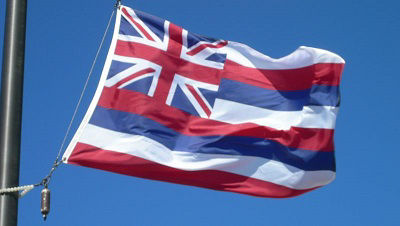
pixel 84 87
pixel 25 189
pixel 46 180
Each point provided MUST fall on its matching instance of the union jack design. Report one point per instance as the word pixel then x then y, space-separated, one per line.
pixel 186 88
pixel 179 107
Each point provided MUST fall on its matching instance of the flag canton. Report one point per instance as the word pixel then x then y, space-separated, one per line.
pixel 164 61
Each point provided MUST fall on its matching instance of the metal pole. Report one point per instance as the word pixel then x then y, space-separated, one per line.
pixel 11 107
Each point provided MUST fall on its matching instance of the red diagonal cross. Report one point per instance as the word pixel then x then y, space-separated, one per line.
pixel 170 61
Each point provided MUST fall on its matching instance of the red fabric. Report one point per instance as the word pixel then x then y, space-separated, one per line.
pixel 303 138
pixel 93 157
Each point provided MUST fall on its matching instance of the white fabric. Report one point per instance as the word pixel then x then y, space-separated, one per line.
pixel 310 117
pixel 302 57
pixel 255 167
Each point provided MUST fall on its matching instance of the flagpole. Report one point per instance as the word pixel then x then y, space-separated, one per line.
pixel 11 108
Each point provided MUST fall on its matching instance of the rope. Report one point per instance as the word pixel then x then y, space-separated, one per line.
pixel 46 180
pixel 57 162
pixel 25 189
pixel 84 87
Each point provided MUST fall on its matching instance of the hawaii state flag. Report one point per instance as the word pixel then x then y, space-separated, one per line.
pixel 179 107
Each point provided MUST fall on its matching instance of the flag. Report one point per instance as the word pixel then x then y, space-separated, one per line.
pixel 175 106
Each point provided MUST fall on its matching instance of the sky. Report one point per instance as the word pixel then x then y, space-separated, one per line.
pixel 61 41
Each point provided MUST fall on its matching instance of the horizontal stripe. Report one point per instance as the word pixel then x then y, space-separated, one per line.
pixel 90 156
pixel 323 117
pixel 324 96
pixel 274 79
pixel 182 122
pixel 302 57
pixel 255 167
pixel 228 145
pixel 285 80
pixel 261 97
pixel 277 100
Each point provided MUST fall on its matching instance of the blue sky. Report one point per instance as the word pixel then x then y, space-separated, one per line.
pixel 62 38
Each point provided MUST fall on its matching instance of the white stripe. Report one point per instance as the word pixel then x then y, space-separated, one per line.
pixel 302 57
pixel 255 167
pixel 310 117
pixel 323 117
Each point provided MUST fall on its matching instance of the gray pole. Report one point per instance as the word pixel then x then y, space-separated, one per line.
pixel 11 108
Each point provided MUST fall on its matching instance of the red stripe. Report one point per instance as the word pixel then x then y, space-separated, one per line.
pixel 328 74
pixel 137 74
pixel 182 122
pixel 199 100
pixel 90 156
pixel 285 80
pixel 204 46
pixel 148 36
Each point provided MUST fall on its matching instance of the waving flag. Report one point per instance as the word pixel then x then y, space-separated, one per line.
pixel 175 106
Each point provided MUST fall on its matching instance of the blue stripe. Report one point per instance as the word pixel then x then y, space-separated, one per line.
pixel 324 95
pixel 275 99
pixel 228 145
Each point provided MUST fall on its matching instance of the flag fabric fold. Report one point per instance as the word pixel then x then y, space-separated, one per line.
pixel 179 107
